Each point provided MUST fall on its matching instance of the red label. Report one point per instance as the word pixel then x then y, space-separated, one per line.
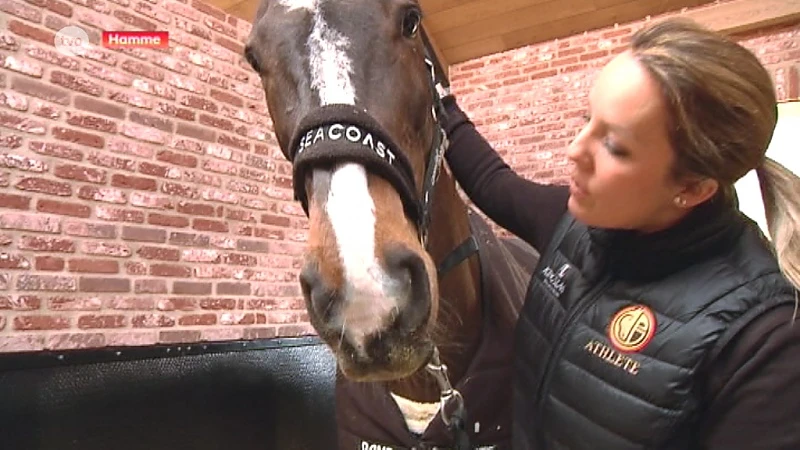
pixel 135 39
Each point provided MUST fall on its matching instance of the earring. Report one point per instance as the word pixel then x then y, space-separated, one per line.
pixel 680 201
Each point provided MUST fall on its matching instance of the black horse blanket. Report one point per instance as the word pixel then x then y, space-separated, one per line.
pixel 368 417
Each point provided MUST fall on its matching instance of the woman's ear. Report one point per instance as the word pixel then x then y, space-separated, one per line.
pixel 696 192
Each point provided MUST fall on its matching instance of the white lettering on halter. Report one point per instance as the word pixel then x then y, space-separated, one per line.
pixel 370 293
pixel 352 133
pixel 367 446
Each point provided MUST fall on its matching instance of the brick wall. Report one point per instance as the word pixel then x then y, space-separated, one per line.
pixel 142 196
pixel 529 102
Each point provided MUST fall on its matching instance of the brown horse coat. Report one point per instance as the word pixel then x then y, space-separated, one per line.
pixel 368 417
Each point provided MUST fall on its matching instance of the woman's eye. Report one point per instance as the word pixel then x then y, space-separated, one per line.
pixel 614 148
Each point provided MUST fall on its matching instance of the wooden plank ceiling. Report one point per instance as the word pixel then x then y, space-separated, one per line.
pixel 460 30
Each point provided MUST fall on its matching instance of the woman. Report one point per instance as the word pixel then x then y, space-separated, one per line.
pixel 658 316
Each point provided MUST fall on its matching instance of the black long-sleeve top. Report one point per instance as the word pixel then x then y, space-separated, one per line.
pixel 752 392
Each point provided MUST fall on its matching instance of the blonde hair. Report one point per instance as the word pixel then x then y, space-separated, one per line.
pixel 723 109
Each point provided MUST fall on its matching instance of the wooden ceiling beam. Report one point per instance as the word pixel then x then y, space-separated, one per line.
pixel 741 16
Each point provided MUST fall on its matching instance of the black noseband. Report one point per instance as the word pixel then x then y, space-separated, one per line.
pixel 337 134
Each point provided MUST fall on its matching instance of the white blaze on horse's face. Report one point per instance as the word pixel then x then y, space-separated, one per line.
pixel 371 295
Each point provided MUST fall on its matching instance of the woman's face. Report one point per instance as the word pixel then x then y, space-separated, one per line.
pixel 622 158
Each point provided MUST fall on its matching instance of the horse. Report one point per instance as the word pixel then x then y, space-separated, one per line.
pixel 406 284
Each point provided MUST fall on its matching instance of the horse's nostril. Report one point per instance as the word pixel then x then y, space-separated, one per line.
pixel 317 294
pixel 403 265
pixel 407 268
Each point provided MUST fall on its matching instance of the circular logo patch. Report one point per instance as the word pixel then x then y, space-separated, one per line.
pixel 70 40
pixel 632 328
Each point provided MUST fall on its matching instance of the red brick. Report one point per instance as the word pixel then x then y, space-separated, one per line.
pixel 191 287
pixel 209 225
pixel 150 286
pixel 171 110
pixel 131 98
pixel 198 320
pixel 104 284
pixel 192 131
pixel 79 173
pixel 94 321
pixel 149 200
pixel 21 123
pixel 30 222
pixel 55 150
pixel 270 219
pixel 92 265
pixel 197 209
pixel 131 303
pixel 40 323
pixel 8 261
pixel 152 321
pixel 26 282
pixel 118 214
pixel 75 83
pixel 218 303
pixel 135 21
pixel 23 65
pixel 179 336
pixel 159 170
pixel 20 303
pixel 99 107
pixel 22 10
pixel 46 244
pixel 227 98
pixel 216 122
pixel 176 158
pixel 167 220
pixel 159 123
pixel 49 263
pixel 38 34
pixel 177 303
pixel 91 122
pixel 159 253
pixel 72 341
pixel 92 230
pixel 233 141
pixel 233 288
pixel 106 195
pixel 105 160
pixel 238 259
pixel 170 270
pixel 180 190
pixel 236 47
pixel 40 90
pixel 260 333
pixel 63 208
pixel 199 103
pixel 138 68
pixel 78 137
pixel 133 182
pixel 141 234
pixel 14 201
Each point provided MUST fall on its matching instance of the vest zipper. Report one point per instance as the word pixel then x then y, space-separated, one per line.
pixel 558 347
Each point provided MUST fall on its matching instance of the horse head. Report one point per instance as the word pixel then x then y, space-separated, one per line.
pixel 350 93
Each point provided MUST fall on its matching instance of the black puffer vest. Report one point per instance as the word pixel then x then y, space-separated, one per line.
pixel 618 329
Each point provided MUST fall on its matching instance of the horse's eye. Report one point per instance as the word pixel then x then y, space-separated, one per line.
pixel 250 56
pixel 411 22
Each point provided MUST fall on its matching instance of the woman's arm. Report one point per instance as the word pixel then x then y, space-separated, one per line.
pixel 529 210
pixel 755 388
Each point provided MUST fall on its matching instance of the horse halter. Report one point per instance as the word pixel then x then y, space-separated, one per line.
pixel 338 133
